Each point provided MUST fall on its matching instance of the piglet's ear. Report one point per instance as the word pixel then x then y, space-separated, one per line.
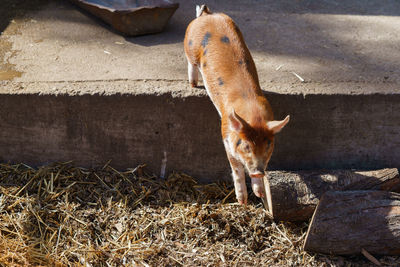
pixel 276 126
pixel 235 122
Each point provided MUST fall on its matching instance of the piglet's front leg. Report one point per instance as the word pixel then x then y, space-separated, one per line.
pixel 239 181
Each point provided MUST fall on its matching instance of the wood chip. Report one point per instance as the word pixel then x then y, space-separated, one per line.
pixel 370 257
pixel 298 77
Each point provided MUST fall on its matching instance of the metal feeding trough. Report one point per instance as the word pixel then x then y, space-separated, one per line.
pixel 131 17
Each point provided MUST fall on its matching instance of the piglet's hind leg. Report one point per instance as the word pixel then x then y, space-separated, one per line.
pixel 193 74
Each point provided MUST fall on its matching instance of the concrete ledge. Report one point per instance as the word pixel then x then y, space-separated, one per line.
pixel 326 131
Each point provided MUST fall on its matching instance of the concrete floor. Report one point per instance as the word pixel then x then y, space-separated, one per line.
pixel 345 114
pixel 333 47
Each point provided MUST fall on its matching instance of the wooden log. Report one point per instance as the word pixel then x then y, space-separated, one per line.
pixel 296 194
pixel 348 222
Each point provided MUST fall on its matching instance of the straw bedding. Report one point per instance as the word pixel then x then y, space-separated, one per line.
pixel 63 215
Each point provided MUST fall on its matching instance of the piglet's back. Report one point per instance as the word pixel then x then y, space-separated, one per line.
pixel 215 44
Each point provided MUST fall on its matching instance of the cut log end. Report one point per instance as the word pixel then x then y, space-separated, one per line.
pixel 346 222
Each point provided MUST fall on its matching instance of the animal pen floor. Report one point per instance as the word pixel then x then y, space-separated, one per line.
pixel 62 215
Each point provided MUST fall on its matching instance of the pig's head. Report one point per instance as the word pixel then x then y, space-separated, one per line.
pixel 253 144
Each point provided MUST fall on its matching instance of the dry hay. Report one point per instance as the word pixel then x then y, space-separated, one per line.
pixel 63 215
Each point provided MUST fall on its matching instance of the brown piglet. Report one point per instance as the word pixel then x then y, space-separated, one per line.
pixel 214 46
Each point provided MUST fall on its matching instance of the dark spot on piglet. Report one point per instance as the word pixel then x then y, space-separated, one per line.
pixel 204 52
pixel 225 39
pixel 240 62
pixel 204 64
pixel 190 42
pixel 205 40
pixel 220 81
pixel 238 142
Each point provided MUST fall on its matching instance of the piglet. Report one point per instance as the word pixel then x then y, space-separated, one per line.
pixel 215 46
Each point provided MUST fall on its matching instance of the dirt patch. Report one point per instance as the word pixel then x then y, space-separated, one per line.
pixel 7 70
pixel 10 19
pixel 64 215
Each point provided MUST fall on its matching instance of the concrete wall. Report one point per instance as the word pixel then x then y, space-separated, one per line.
pixel 326 131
